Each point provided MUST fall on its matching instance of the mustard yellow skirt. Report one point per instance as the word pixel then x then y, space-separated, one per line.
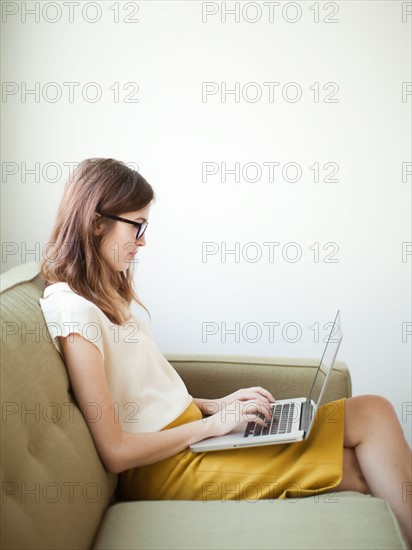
pixel 270 472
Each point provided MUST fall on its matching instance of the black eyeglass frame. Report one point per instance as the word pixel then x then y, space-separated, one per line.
pixel 141 227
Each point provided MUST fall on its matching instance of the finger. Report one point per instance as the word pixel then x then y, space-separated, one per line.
pixel 251 396
pixel 259 419
pixel 257 407
pixel 264 408
pixel 265 393
pixel 256 393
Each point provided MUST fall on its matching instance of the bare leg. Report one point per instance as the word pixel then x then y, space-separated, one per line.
pixel 377 458
pixel 352 479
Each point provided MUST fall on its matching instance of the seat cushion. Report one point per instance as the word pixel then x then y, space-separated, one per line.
pixel 344 520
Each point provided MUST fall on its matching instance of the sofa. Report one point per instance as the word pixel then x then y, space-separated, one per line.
pixel 56 493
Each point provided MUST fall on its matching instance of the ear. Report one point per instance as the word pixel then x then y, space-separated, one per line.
pixel 97 224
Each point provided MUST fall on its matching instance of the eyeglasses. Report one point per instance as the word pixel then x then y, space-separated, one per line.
pixel 140 227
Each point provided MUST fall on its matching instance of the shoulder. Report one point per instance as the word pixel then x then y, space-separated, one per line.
pixel 66 312
pixel 60 299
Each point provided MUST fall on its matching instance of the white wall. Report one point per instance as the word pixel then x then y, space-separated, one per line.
pixel 168 52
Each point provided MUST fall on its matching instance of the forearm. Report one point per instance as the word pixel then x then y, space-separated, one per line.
pixel 133 450
pixel 207 406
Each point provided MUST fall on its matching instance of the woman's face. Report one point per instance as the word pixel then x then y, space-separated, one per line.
pixel 120 246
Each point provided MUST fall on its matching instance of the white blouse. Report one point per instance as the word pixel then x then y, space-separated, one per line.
pixel 147 391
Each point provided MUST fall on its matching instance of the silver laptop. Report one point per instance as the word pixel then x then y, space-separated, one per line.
pixel 292 419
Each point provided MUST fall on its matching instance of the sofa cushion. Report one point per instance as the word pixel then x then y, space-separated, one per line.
pixel 344 520
pixel 54 487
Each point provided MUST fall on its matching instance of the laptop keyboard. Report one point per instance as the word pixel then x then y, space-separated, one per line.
pixel 280 423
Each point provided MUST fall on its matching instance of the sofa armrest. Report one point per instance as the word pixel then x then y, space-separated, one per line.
pixel 213 376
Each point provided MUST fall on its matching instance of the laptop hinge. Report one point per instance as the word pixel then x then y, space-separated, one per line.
pixel 306 416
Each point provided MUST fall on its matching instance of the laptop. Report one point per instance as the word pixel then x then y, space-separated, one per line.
pixel 292 419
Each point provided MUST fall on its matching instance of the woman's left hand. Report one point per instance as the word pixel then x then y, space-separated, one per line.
pixel 255 393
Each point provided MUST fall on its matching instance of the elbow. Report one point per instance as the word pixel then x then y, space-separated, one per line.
pixel 114 467
pixel 117 462
pixel 112 464
pixel 113 460
pixel 120 454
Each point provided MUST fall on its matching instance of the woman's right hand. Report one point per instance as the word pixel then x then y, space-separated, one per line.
pixel 238 413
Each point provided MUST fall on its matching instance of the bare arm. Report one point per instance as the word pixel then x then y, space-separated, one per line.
pixel 121 450
pixel 207 406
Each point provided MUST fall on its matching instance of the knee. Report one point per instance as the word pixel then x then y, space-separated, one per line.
pixel 377 404
pixel 376 407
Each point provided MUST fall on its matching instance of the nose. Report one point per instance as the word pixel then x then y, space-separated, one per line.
pixel 142 240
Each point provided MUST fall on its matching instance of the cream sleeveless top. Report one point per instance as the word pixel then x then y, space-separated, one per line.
pixel 147 391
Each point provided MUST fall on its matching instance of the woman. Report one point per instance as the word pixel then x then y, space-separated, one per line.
pixel 140 415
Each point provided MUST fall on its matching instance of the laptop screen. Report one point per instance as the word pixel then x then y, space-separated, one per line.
pixel 326 363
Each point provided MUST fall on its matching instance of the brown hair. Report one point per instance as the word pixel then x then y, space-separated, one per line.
pixel 73 252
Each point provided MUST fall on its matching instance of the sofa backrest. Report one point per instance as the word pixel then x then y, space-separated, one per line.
pixel 54 487
pixel 214 376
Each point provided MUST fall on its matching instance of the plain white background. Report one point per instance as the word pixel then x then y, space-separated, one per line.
pixel 340 243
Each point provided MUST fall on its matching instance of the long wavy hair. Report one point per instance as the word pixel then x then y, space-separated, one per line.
pixel 73 252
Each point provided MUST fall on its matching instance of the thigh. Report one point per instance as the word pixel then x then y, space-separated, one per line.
pixel 352 478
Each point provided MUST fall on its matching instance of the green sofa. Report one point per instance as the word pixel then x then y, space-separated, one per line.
pixel 57 494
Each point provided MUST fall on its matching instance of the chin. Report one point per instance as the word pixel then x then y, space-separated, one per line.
pixel 127 264
pixel 121 266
